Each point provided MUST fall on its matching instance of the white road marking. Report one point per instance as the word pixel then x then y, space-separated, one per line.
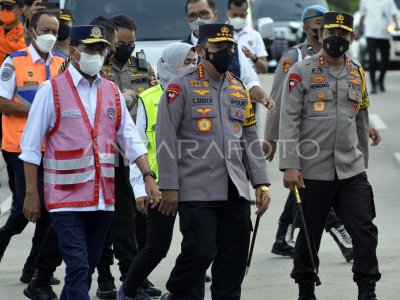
pixel 5 206
pixel 377 121
pixel 397 155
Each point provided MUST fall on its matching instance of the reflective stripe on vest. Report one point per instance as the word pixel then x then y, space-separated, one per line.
pixel 150 99
pixel 75 178
pixel 73 164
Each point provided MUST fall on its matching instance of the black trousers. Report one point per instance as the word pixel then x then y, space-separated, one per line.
pixel 352 199
pixel 16 221
pixel 159 236
pixel 287 216
pixel 216 232
pixel 49 257
pixel 384 46
pixel 121 240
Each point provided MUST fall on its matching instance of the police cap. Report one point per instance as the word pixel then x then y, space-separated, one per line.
pixel 313 11
pixel 88 34
pixel 338 20
pixel 66 15
pixel 215 33
pixel 12 2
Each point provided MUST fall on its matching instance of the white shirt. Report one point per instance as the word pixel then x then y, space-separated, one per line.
pixel 135 175
pixel 377 16
pixel 42 118
pixel 7 87
pixel 252 40
pixel 247 73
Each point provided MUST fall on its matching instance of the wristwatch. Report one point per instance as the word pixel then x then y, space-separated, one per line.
pixel 149 173
pixel 255 60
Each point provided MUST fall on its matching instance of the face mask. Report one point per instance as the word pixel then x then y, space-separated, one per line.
pixel 196 23
pixel 315 36
pixel 335 46
pixel 63 32
pixel 122 54
pixel 237 23
pixel 45 42
pixel 221 60
pixel 90 64
pixel 7 17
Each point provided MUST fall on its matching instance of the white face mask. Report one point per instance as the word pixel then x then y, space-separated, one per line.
pixel 199 21
pixel 45 42
pixel 90 64
pixel 237 23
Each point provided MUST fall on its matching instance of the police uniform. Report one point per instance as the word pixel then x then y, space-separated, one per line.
pixel 324 124
pixel 135 74
pixel 201 123
pixel 283 244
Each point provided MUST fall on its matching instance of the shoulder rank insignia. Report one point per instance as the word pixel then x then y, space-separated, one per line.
pixel 287 64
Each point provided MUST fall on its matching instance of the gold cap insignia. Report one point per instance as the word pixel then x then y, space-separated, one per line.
pixel 339 19
pixel 96 33
pixel 225 29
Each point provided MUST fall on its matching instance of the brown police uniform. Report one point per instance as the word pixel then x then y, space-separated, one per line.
pixel 324 133
pixel 205 128
pixel 134 75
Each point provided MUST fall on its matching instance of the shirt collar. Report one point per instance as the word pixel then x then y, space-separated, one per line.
pixel 193 39
pixel 36 57
pixel 77 77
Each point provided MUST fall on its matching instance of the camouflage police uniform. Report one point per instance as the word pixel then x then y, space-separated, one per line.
pixel 324 128
pixel 204 130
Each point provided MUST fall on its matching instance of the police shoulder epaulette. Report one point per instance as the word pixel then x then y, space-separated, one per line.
pixel 59 54
pixel 233 78
pixel 355 62
pixel 18 53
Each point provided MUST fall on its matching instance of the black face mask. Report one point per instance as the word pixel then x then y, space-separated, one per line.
pixel 335 46
pixel 123 53
pixel 315 36
pixel 221 60
pixel 63 32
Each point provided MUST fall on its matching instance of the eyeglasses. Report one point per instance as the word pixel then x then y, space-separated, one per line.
pixel 205 14
pixel 97 48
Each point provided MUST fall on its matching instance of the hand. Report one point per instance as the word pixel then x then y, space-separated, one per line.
pixel 269 104
pixel 36 7
pixel 374 136
pixel 248 53
pixel 32 206
pixel 153 194
pixel 169 202
pixel 291 178
pixel 269 148
pixel 141 204
pixel 131 93
pixel 262 204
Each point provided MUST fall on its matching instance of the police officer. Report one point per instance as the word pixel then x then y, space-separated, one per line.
pixel 284 245
pixel 21 74
pixel 324 125
pixel 204 116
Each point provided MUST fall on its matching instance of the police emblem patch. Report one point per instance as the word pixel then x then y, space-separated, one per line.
pixel 204 125
pixel 294 79
pixel 287 64
pixel 6 74
pixel 30 73
pixel 172 92
pixel 111 112
pixel 237 126
pixel 355 107
pixel 321 95
pixel 96 32
pixel 319 106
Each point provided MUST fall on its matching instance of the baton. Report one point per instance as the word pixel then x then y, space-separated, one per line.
pixel 264 190
pixel 303 221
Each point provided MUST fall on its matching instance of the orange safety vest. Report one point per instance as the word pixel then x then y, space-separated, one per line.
pixel 29 76
pixel 11 41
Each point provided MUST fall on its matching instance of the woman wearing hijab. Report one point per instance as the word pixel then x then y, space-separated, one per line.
pixel 175 58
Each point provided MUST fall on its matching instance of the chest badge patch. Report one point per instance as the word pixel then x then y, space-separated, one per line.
pixel 236 127
pixel 111 112
pixel 318 79
pixel 287 64
pixel 355 107
pixel 319 106
pixel 201 92
pixel 204 125
pixel 204 111
pixel 235 87
pixel 195 83
pixel 238 95
pixel 321 95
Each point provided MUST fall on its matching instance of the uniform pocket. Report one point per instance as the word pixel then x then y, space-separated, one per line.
pixel 203 119
pixel 68 154
pixel 318 102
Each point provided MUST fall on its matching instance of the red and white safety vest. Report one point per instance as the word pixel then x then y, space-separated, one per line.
pixel 78 157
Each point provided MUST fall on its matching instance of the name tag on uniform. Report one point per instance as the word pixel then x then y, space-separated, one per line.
pixel 71 114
